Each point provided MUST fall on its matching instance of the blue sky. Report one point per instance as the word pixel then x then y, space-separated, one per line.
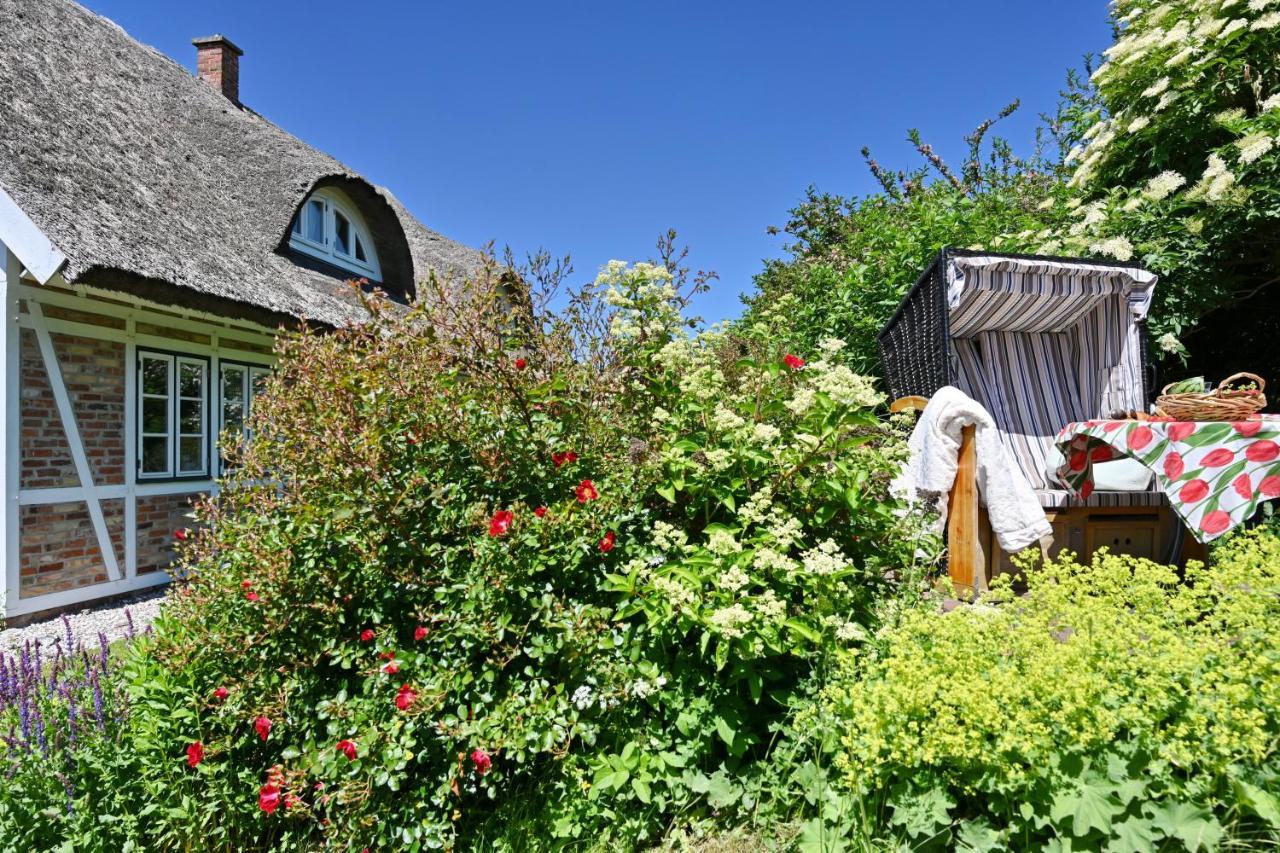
pixel 588 128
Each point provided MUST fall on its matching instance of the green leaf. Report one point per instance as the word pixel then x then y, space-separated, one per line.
pixel 668 491
pixel 1133 834
pixel 1089 807
pixel 922 814
pixel 979 836
pixel 1262 803
pixel 641 788
pixel 1193 826
pixel 808 633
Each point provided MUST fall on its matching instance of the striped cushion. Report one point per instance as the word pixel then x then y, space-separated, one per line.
pixel 1060 499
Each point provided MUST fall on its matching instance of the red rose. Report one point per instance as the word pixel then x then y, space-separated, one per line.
pixel 607 543
pixel 366 635
pixel 1173 465
pixel 1262 451
pixel 291 801
pixel 586 491
pixel 1193 491
pixel 180 535
pixel 561 458
pixel 1180 430
pixel 1139 437
pixel 481 760
pixel 1243 486
pixel 1247 428
pixel 262 726
pixel 195 753
pixel 246 584
pixel 419 633
pixel 269 798
pixel 794 362
pixel 348 749
pixel 1101 453
pixel 391 667
pixel 1218 457
pixel 251 596
pixel 521 364
pixel 500 524
pixel 1215 522
pixel 1077 460
pixel 405 697
pixel 1270 486
pixel 220 693
pixel 540 511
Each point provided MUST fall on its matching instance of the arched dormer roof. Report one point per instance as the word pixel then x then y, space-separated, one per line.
pixel 374 245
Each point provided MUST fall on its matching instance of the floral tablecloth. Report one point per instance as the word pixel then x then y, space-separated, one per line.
pixel 1214 473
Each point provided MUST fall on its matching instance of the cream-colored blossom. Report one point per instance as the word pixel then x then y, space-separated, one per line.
pixel 1170 343
pixel 731 621
pixel 1233 26
pixel 825 559
pixel 1139 123
pixel 1156 88
pixel 679 596
pixel 1163 185
pixel 801 401
pixel 831 346
pixel 765 434
pixel 1180 57
pixel 1266 22
pixel 1117 247
pixel 1254 146
pixel 770 607
pixel 767 561
pixel 724 419
pixel 756 509
pixel 733 580
pixel 719 458
pixel 1271 103
pixel 667 537
pixel 786 530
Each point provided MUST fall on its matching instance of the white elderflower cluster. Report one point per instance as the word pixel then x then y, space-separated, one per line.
pixel 830 346
pixel 1253 146
pixel 1170 343
pixel 704 383
pixel 1266 22
pixel 667 537
pixel 644 297
pixel 719 458
pixel 786 530
pixel 726 420
pixel 765 434
pixel 643 688
pixel 1139 123
pixel 1216 182
pixel 767 561
pixel 1271 103
pixel 802 401
pixel 844 387
pixel 1209 28
pixel 1259 5
pixel 825 559
pixel 757 507
pixel 848 631
pixel 770 607
pixel 583 697
pixel 679 596
pixel 1163 185
pixel 1117 247
pixel 1233 26
pixel 1156 89
pixel 723 543
pixel 733 580
pixel 731 621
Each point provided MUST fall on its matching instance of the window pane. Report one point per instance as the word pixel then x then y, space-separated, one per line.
pixel 259 379
pixel 155 455
pixel 191 380
pixel 232 383
pixel 155 376
pixel 155 415
pixel 296 228
pixel 232 415
pixel 190 453
pixel 360 256
pixel 341 234
pixel 191 417
pixel 315 221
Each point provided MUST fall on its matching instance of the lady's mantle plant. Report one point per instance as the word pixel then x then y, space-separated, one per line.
pixel 483 557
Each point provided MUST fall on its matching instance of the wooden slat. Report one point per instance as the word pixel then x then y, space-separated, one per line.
pixel 965 563
pixel 902 404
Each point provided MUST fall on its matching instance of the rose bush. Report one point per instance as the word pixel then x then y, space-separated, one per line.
pixel 486 566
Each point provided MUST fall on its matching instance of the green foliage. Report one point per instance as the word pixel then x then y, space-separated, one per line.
pixel 1112 705
pixel 485 564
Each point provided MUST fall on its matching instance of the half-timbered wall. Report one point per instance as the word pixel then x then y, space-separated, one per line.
pixel 78 523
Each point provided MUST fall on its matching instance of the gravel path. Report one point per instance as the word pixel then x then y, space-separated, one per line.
pixel 110 619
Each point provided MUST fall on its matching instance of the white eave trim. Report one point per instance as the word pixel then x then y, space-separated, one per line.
pixel 21 236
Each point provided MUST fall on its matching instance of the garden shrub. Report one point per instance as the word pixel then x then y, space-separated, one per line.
pixel 1114 705
pixel 488 567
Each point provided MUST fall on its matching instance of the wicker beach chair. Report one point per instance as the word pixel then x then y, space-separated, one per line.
pixel 1039 341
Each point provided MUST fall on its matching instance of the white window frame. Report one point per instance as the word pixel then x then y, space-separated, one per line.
pixel 332 202
pixel 249 375
pixel 173 463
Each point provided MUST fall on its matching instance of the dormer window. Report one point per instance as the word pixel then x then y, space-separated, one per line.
pixel 329 227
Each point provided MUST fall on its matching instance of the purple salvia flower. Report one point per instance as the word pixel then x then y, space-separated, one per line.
pixel 24 717
pixel 98 717
pixel 40 736
pixel 71 792
pixel 71 640
pixel 129 618
pixel 102 651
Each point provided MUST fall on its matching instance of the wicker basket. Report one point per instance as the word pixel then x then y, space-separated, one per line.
pixel 1222 404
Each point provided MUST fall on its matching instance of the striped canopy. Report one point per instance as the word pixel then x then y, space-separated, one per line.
pixel 1042 343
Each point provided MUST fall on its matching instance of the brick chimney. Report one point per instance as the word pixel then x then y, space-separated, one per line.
pixel 218 64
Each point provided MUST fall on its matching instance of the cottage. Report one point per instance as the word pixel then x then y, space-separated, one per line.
pixel 155 233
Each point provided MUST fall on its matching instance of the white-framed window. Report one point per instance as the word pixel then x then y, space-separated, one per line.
pixel 328 226
pixel 238 386
pixel 173 416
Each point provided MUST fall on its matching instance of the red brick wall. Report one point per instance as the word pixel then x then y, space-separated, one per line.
pixel 58 549
pixel 158 518
pixel 93 371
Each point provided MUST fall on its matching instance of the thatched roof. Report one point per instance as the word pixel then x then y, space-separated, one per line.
pixel 150 181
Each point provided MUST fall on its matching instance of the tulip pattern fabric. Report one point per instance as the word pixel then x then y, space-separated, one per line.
pixel 1215 473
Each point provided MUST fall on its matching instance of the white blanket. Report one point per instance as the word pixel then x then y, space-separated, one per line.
pixel 1016 516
